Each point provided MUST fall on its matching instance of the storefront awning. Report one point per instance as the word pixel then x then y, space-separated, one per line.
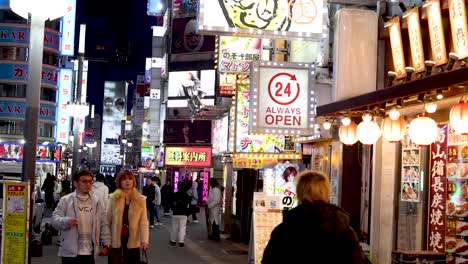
pixel 452 82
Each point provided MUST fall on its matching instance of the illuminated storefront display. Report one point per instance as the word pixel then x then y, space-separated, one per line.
pixel 13 151
pixel 282 98
pixel 188 156
pixel 237 53
pixel 280 18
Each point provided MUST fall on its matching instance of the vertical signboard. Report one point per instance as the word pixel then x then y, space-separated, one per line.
pixel 436 32
pixel 397 47
pixel 65 96
pixel 438 192
pixel 15 211
pixel 457 197
pixel 68 29
pixel 282 98
pixel 457 12
pixel 414 31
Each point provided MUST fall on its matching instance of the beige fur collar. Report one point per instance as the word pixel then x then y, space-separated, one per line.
pixel 136 196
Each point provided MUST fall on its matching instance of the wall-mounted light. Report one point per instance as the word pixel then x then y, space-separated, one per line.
pixel 430 106
pixel 129 144
pixel 409 73
pixel 85 148
pixel 124 140
pixel 453 57
pixel 439 94
pixel 326 125
pixel 391 75
pixel 394 114
pixel 346 120
pixel 429 65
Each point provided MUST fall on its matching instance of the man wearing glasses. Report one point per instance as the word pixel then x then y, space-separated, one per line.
pixel 81 219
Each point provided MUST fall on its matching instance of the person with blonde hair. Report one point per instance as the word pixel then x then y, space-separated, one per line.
pixel 315 230
pixel 127 220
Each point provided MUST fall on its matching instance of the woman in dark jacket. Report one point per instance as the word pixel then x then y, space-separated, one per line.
pixel 315 231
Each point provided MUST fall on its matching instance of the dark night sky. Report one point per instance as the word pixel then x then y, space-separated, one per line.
pixel 117 24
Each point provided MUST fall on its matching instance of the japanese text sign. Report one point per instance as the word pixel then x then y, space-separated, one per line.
pixel 457 12
pixel 282 98
pixel 438 191
pixel 18 72
pixel 397 47
pixel 18 35
pixel 65 96
pixel 436 32
pixel 237 53
pixel 199 156
pixel 68 29
pixel 17 109
pixel 414 31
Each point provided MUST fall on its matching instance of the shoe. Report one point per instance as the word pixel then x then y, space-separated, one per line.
pixel 173 243
pixel 166 214
pixel 159 224
pixel 181 244
pixel 195 221
pixel 151 226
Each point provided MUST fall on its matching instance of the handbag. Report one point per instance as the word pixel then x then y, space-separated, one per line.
pixel 144 257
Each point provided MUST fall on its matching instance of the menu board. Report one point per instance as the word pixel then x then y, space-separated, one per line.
pixel 267 215
pixel 410 172
pixel 457 198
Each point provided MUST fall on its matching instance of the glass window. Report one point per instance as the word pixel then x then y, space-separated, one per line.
pixel 46 130
pixel 12 90
pixel 11 127
pixel 12 53
pixel 48 94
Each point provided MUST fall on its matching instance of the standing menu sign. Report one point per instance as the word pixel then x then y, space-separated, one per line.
pixel 14 222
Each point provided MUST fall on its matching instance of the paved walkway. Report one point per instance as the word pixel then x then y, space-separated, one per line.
pixel 198 249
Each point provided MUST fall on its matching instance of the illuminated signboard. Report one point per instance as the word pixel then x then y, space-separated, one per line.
pixel 275 18
pixel 397 47
pixel 436 32
pixel 68 29
pixel 283 98
pixel 14 151
pixel 186 83
pixel 188 156
pixel 184 8
pixel 219 135
pixel 245 142
pixel 237 53
pixel 227 84
pixel 64 96
pixel 457 12
pixel 17 35
pixel 17 72
pixel 17 109
pixel 4 4
pixel 414 31
pixel 187 44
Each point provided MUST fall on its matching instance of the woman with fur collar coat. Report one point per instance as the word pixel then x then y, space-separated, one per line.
pixel 127 221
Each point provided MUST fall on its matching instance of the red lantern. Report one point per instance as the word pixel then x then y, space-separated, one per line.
pixel 348 134
pixel 459 117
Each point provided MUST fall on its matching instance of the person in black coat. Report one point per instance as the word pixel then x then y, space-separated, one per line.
pixel 315 231
pixel 167 194
pixel 49 187
pixel 150 193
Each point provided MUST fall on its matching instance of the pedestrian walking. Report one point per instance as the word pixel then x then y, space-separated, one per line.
pixel 166 197
pixel 180 210
pixel 315 229
pixel 214 209
pixel 66 186
pixel 192 192
pixel 149 192
pixel 128 221
pixel 83 224
pixel 100 190
pixel 157 200
pixel 49 188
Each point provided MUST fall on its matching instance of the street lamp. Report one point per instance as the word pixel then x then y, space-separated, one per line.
pixel 38 12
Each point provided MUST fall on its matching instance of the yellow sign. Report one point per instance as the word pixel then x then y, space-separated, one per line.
pixel 436 32
pixel 414 31
pixel 254 162
pixel 457 12
pixel 14 222
pixel 397 47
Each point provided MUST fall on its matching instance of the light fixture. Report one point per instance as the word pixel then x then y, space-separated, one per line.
pixel 391 75
pixel 129 144
pixel 77 109
pixel 393 130
pixel 423 130
pixel 453 57
pixel 124 140
pixel 346 120
pixel 368 132
pixel 326 125
pixel 85 148
pixel 459 117
pixel 46 9
pixel 79 150
pixel 430 106
pixel 439 94
pixel 394 114
pixel 429 65
pixel 409 73
pixel 348 133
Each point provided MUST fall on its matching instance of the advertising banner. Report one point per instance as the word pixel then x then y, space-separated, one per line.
pixel 18 72
pixel 183 84
pixel 253 162
pixel 147 158
pixel 184 8
pixel 246 142
pixel 187 132
pixel 415 38
pixel 64 96
pixel 276 18
pixel 219 135
pixel 186 40
pixel 457 196
pixel 18 35
pixel 15 211
pixel 227 85
pixel 17 109
pixel 199 156
pixel 68 29
pixel 283 98
pixel 114 111
pixel 438 193
pixel 14 151
pixel 237 53
pixel 411 174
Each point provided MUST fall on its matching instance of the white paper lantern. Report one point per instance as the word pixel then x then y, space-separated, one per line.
pixel 393 130
pixel 348 134
pixel 423 130
pixel 459 117
pixel 368 132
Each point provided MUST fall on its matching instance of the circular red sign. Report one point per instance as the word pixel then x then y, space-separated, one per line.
pixel 283 88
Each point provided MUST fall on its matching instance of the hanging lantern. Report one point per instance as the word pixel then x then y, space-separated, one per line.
pixel 368 132
pixel 423 130
pixel 459 117
pixel 348 134
pixel 393 130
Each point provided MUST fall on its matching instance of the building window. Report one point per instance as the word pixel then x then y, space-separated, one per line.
pixel 12 53
pixel 46 130
pixel 48 94
pixel 11 127
pixel 12 90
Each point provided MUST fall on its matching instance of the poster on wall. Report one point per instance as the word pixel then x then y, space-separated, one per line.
pixel 410 174
pixel 283 98
pixel 246 142
pixel 281 18
pixel 457 196
pixel 237 53
pixel 187 42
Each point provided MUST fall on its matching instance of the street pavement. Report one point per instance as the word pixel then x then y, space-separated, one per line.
pixel 198 249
